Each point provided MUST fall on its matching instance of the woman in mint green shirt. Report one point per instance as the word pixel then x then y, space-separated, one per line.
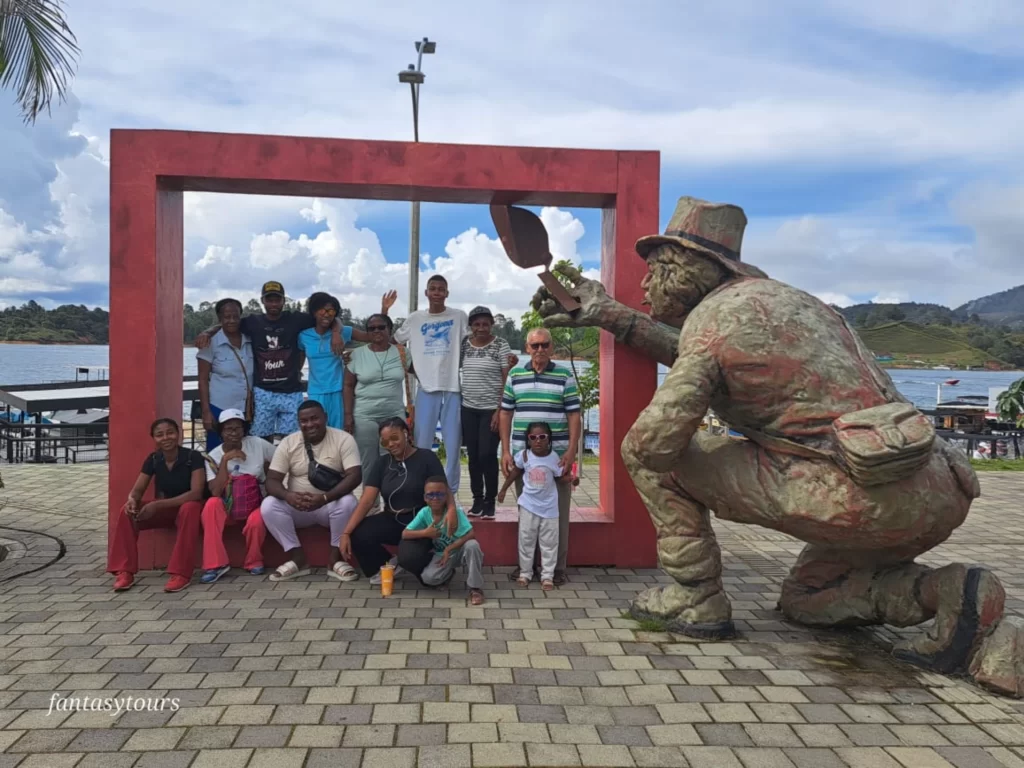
pixel 374 388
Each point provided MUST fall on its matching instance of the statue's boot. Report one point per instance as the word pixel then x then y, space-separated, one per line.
pixel 700 610
pixel 999 662
pixel 967 603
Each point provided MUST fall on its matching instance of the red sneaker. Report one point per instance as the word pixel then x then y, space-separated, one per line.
pixel 124 581
pixel 176 584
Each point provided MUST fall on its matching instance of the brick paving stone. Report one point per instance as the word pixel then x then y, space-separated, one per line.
pixel 499 756
pixel 209 737
pixel 421 735
pixel 764 758
pixel 711 757
pixel 724 735
pixel 918 757
pixel 445 756
pixel 278 758
pixel 108 760
pixel 54 760
pixel 866 757
pixel 368 735
pixel 968 757
pixel 154 739
pixel 257 736
pixel 814 758
pixel 334 758
pixel 99 740
pixel 165 760
pixel 222 758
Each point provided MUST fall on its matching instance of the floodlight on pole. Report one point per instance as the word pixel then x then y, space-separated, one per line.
pixel 414 77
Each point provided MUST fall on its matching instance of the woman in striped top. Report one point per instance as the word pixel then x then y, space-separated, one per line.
pixel 486 361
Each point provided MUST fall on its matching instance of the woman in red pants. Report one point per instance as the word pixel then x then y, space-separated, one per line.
pixel 180 488
pixel 236 470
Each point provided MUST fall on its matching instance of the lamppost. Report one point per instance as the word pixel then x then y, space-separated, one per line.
pixel 414 77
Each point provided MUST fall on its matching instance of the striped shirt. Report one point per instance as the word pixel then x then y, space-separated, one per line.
pixel 482 382
pixel 549 396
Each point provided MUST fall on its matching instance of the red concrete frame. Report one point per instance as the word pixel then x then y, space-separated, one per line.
pixel 150 171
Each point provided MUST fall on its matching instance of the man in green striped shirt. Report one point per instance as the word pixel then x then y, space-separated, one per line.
pixel 543 391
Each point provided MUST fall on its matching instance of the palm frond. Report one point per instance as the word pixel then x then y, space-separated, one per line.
pixel 37 53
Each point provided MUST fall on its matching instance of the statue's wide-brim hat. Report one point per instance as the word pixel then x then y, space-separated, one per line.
pixel 712 229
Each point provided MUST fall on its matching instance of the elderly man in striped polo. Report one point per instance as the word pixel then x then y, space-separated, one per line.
pixel 542 391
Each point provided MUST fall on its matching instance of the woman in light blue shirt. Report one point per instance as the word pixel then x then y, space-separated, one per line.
pixel 327 370
pixel 225 369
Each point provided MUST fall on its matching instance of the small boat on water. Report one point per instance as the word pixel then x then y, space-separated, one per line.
pixel 952 382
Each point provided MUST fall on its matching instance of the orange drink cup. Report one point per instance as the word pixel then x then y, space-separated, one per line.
pixel 387 579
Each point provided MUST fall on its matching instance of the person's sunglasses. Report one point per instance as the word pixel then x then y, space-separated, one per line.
pixel 435 495
pixel 540 345
pixel 537 438
pixel 372 328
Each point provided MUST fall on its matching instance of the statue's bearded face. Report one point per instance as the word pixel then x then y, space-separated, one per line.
pixel 676 281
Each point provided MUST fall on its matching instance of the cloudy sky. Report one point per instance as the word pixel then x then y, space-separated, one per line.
pixel 875 146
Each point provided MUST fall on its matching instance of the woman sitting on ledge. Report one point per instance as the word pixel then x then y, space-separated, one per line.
pixel 236 471
pixel 180 488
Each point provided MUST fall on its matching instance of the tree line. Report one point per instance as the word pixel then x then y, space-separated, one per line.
pixel 78 324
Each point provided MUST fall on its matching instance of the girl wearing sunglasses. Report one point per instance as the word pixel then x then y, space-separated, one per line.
pixel 540 469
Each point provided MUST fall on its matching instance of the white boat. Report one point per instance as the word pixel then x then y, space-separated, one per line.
pixel 941 368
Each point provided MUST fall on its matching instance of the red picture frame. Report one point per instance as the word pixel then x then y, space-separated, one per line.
pixel 150 171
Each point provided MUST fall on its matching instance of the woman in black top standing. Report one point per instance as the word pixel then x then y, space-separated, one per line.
pixel 180 488
pixel 398 479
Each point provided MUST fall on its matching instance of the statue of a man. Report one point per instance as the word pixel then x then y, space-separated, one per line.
pixel 781 367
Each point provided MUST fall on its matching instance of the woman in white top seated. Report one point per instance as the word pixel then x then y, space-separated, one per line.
pixel 235 473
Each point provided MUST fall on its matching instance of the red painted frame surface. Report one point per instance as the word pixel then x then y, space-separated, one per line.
pixel 149 171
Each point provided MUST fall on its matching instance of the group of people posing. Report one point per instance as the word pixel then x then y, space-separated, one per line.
pixel 359 425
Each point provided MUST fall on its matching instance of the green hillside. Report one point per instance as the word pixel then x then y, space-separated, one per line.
pixel 935 345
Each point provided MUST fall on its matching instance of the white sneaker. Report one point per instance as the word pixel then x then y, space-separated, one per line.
pixel 375 579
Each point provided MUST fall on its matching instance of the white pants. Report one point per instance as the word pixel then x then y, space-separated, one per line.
pixel 534 530
pixel 281 519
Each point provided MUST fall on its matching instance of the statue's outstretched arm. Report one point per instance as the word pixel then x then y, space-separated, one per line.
pixel 599 310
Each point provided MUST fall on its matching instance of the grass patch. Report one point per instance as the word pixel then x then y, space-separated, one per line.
pixel 998 465
pixel 647 624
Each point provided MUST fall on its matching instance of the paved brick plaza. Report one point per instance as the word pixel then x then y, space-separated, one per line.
pixel 316 673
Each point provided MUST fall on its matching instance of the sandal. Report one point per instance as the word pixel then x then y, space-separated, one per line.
pixel 523 582
pixel 342 571
pixel 476 597
pixel 547 585
pixel 288 571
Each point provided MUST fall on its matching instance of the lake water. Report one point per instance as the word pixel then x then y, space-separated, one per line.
pixel 37 364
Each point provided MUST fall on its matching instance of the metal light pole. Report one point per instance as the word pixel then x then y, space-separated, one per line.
pixel 414 77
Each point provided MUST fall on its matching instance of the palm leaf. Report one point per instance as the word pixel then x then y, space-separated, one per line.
pixel 37 53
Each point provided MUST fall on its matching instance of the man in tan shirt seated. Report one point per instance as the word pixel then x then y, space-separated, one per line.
pixel 320 494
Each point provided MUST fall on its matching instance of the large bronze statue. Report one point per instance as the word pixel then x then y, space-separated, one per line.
pixel 835 457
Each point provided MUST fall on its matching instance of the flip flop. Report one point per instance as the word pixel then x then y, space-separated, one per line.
pixel 288 571
pixel 476 597
pixel 342 571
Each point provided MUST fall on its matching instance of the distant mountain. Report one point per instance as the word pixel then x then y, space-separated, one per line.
pixel 1003 308
pixel 910 343
pixel 998 309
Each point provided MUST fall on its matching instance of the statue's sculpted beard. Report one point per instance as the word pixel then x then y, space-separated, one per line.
pixel 680 283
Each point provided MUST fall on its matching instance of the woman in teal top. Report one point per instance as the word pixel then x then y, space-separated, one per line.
pixel 327 370
pixel 374 388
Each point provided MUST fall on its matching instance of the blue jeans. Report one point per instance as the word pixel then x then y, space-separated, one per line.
pixel 446 407
pixel 213 437
pixel 277 413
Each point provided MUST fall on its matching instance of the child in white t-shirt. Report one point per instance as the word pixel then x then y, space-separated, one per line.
pixel 538 504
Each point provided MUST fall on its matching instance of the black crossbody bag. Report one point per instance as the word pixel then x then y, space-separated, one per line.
pixel 320 477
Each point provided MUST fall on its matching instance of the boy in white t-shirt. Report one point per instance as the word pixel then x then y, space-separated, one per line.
pixel 540 469
pixel 434 338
